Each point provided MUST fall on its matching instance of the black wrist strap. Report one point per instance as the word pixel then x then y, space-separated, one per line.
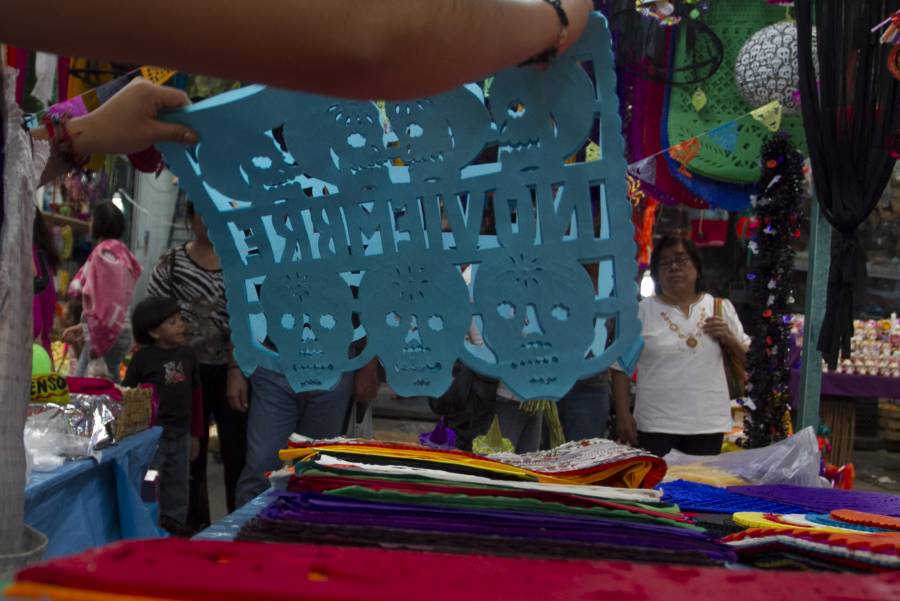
pixel 550 53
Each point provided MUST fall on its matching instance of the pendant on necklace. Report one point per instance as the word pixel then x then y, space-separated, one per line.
pixel 691 341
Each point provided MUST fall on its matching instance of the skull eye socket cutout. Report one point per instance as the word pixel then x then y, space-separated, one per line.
pixel 436 323
pixel 560 312
pixel 392 319
pixel 516 109
pixel 506 310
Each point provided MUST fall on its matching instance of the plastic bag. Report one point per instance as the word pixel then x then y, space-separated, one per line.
pixel 794 460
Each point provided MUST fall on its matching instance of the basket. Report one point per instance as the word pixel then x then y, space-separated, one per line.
pixel 135 415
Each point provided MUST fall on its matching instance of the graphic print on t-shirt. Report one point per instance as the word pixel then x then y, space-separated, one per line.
pixel 174 372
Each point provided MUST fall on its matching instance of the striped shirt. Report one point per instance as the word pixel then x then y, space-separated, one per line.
pixel 201 295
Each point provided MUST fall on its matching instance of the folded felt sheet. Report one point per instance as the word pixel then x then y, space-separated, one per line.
pixel 337 511
pixel 189 570
pixel 600 492
pixel 318 480
pixel 862 551
pixel 595 461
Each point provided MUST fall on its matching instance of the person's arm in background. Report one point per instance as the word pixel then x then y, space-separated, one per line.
pixel 375 49
pixel 236 388
pixel 626 427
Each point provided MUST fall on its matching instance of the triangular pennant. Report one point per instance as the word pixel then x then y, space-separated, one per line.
pixel 769 115
pixel 725 136
pixel 684 153
pixel 698 100
pixel 157 75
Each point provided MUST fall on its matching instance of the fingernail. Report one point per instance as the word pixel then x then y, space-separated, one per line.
pixel 190 137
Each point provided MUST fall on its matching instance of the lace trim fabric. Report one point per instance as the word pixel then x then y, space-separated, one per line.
pixel 21 173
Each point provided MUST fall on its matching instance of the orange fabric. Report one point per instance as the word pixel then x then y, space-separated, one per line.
pixel 851 516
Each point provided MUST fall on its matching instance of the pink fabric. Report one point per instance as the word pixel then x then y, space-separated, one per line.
pixel 105 285
pixel 43 306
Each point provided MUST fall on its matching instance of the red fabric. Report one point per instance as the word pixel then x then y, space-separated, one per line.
pixel 197 429
pixel 181 569
pixel 312 483
pixel 95 386
pixel 709 232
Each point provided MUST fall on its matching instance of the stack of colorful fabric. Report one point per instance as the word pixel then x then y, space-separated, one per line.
pixel 538 505
pixel 195 570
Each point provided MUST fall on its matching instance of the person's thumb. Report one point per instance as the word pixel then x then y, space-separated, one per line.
pixel 174 132
pixel 171 98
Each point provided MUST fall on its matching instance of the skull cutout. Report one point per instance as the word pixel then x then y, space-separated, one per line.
pixel 309 320
pixel 538 320
pixel 344 144
pixel 540 122
pixel 438 134
pixel 414 314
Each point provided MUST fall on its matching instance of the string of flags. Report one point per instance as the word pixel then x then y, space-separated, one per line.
pixel 724 136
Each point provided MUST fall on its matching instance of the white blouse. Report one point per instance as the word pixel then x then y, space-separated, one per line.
pixel 681 386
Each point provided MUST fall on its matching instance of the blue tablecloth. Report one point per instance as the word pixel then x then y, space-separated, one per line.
pixel 91 502
pixel 227 528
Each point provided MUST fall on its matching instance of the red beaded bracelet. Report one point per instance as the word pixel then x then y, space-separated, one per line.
pixel 61 140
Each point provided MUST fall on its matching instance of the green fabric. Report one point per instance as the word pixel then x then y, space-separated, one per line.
pixel 734 21
pixel 502 503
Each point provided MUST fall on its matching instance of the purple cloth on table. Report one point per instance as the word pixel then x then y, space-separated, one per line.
pixel 824 500
pixel 319 508
pixel 850 385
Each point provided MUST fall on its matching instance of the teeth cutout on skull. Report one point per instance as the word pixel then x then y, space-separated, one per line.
pixel 416 308
pixel 311 326
pixel 337 219
pixel 530 330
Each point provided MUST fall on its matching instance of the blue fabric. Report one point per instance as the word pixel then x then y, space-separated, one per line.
pixel 585 414
pixel 703 498
pixel 825 520
pixel 308 197
pixel 86 503
pixel 276 412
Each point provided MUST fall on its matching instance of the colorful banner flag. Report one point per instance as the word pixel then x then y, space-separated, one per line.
pixel 769 115
pixel 725 135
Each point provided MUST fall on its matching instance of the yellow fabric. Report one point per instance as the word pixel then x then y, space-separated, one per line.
pixel 755 519
pixel 704 474
pixel 47 592
pixel 631 474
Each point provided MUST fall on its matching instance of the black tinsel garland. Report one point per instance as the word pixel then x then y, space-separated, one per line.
pixel 777 207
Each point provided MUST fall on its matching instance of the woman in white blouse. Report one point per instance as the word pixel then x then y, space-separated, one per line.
pixel 682 399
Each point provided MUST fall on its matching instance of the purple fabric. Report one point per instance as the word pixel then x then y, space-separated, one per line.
pixel 43 307
pixel 850 385
pixel 824 500
pixel 318 508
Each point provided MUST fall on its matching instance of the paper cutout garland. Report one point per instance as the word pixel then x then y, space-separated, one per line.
pixel 323 239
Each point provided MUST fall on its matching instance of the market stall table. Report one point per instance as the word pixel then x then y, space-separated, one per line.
pixel 838 406
pixel 90 502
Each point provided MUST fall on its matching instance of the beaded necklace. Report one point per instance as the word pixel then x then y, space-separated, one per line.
pixel 691 340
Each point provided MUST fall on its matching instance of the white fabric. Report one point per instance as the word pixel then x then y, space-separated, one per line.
pixel 683 390
pixel 45 76
pixel 21 174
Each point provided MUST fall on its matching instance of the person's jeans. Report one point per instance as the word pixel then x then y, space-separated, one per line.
pixel 231 426
pixel 172 461
pixel 584 414
pixel 522 429
pixel 275 413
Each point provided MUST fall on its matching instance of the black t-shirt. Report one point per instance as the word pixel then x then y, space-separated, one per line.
pixel 174 373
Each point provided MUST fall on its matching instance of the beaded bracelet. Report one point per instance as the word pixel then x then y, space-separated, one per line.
pixel 61 140
pixel 550 53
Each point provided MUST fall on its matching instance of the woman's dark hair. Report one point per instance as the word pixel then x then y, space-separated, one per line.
pixel 43 240
pixel 107 222
pixel 669 241
pixel 149 314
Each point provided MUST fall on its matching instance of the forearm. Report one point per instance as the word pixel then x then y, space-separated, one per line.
pixel 621 392
pixel 380 48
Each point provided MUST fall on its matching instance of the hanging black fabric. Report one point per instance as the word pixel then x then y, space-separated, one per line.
pixel 849 115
